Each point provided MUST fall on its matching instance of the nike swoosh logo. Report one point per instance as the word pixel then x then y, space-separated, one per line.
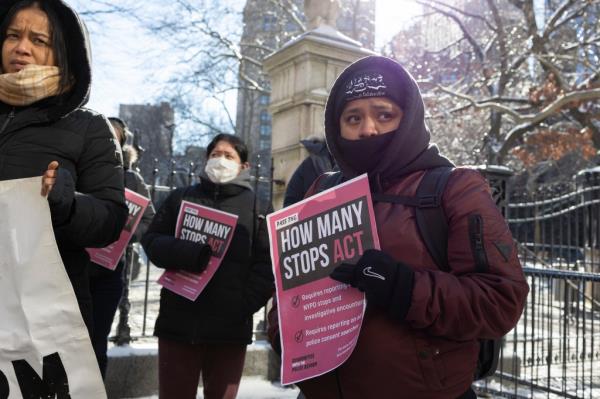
pixel 369 273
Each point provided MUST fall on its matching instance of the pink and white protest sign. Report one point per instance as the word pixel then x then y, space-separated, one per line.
pixel 109 256
pixel 203 225
pixel 320 318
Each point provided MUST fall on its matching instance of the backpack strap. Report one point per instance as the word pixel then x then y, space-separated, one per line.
pixel 429 214
pixel 488 359
pixel 431 220
pixel 433 228
pixel 325 181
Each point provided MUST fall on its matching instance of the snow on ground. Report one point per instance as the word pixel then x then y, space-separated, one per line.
pixel 142 324
pixel 254 388
pixel 141 320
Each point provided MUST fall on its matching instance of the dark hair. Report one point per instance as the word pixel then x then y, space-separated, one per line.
pixel 119 127
pixel 59 44
pixel 237 143
pixel 118 121
pixel 125 132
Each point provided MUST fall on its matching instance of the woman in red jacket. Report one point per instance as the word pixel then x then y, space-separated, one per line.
pixel 419 337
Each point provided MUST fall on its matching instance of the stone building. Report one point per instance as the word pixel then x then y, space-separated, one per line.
pixel 153 126
pixel 266 28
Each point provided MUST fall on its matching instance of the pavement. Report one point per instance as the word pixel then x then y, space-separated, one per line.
pixel 253 388
pixel 132 370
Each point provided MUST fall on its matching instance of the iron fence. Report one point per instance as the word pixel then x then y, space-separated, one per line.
pixel 562 230
pixel 554 351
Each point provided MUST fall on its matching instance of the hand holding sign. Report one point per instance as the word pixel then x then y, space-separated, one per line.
pixel 49 178
pixel 204 254
pixel 319 318
pixel 109 256
pixel 380 277
pixel 210 232
pixel 59 186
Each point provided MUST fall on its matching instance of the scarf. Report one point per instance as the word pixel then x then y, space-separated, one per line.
pixel 29 85
pixel 364 155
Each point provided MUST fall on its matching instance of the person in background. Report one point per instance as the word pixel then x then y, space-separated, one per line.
pixel 421 329
pixel 106 285
pixel 318 161
pixel 44 130
pixel 133 179
pixel 210 334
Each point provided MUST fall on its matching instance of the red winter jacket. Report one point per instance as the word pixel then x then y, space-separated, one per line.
pixel 432 353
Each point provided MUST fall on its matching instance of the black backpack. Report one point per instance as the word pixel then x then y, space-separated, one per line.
pixel 433 229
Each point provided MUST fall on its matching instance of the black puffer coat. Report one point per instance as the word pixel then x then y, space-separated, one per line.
pixel 241 285
pixel 316 163
pixel 58 129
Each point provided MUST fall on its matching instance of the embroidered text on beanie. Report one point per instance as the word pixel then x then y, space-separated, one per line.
pixel 371 82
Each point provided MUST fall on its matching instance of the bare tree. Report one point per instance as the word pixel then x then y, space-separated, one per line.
pixel 96 11
pixel 210 62
pixel 357 16
pixel 202 57
pixel 521 71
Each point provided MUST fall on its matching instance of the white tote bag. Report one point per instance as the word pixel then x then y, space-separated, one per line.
pixel 45 350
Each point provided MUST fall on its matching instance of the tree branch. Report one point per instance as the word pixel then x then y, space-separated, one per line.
pixel 549 66
pixel 486 104
pixel 554 24
pixel 576 45
pixel 561 101
pixel 461 25
pixel 503 80
pixel 463 12
pixel 559 12
pixel 291 11
pixel 266 49
pixel 528 122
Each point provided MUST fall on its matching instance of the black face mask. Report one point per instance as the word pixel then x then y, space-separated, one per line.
pixel 363 155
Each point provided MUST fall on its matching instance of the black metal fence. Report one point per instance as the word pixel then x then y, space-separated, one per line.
pixel 140 302
pixel 554 351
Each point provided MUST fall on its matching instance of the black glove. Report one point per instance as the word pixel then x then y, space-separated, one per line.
pixel 61 197
pixel 385 282
pixel 202 256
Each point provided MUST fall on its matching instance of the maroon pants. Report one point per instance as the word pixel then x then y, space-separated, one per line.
pixel 180 364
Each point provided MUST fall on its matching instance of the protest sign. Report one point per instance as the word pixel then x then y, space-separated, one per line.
pixel 320 318
pixel 45 350
pixel 109 256
pixel 203 225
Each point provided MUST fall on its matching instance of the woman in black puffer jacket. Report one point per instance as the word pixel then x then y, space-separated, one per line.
pixel 210 334
pixel 45 82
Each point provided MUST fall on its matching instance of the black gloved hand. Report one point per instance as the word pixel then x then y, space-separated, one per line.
pixel 201 258
pixel 385 282
pixel 61 197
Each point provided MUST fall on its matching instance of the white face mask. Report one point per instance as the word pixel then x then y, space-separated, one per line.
pixel 222 170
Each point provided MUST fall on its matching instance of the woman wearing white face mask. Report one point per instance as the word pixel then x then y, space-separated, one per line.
pixel 211 333
pixel 224 163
